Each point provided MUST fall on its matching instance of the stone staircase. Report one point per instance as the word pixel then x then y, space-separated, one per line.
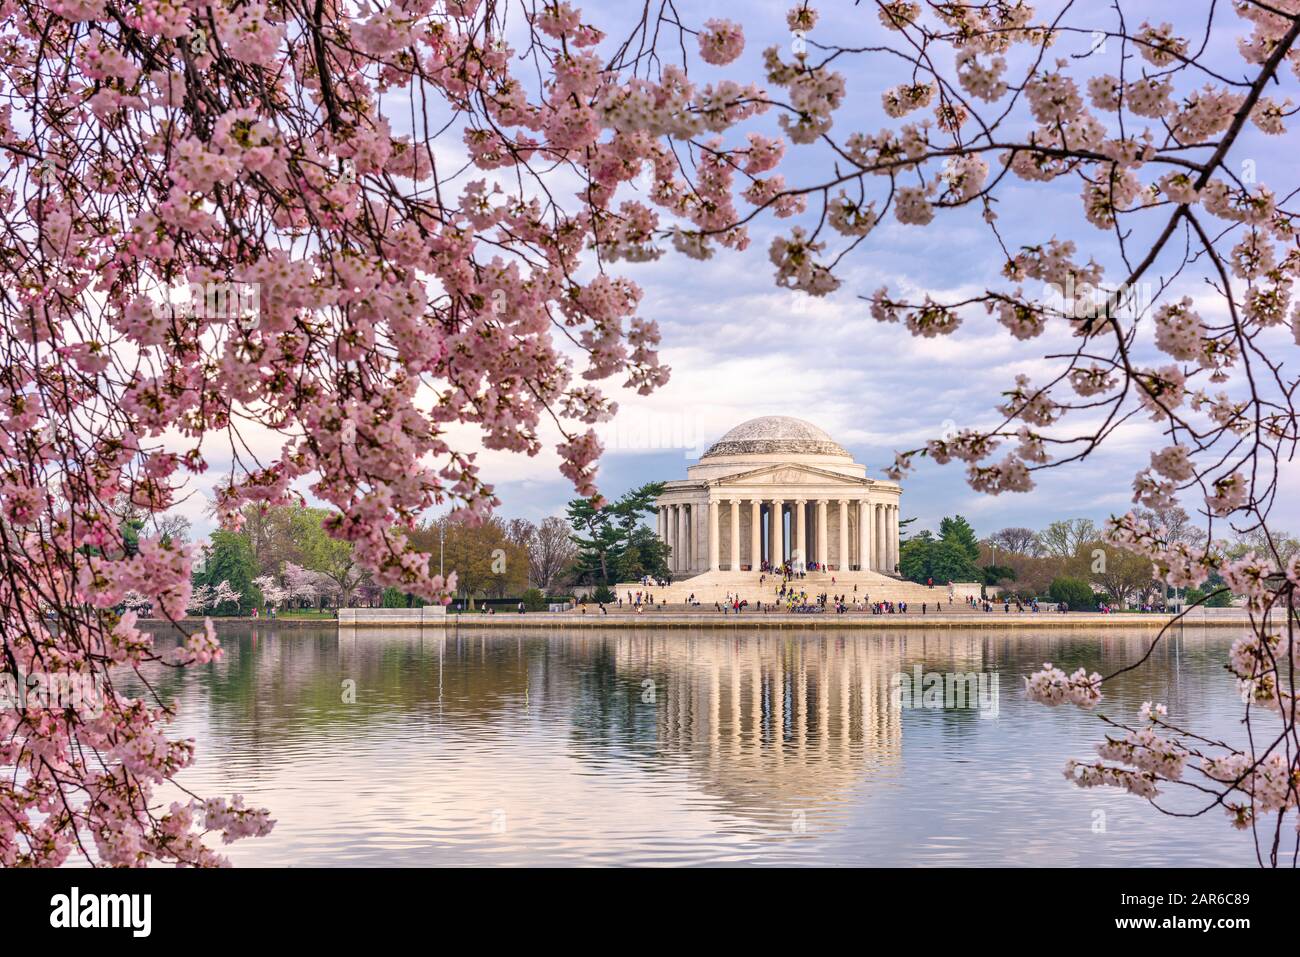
pixel 710 587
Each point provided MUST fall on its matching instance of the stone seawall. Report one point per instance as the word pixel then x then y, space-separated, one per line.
pixel 365 619
pixel 858 622
pixel 379 617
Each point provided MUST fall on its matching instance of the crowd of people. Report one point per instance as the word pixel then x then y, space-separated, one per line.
pixel 789 596
pixel 987 605
pixel 733 604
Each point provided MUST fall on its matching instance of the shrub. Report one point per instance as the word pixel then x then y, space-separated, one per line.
pixel 394 598
pixel 534 600
pixel 1075 592
pixel 998 574
pixel 1220 599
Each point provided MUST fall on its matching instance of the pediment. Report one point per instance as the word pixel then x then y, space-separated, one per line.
pixel 792 474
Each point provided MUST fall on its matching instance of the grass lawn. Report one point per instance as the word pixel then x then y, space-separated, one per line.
pixel 304 613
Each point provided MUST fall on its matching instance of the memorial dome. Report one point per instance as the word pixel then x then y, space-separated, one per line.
pixel 776 435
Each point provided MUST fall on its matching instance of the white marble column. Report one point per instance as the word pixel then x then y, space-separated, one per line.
pixel 844 535
pixel 893 537
pixel 670 535
pixel 778 542
pixel 880 537
pixel 884 537
pixel 683 540
pixel 696 520
pixel 755 534
pixel 864 536
pixel 889 539
pixel 735 534
pixel 800 551
pixel 822 557
pixel 714 542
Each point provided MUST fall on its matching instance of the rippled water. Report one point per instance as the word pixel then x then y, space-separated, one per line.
pixel 648 748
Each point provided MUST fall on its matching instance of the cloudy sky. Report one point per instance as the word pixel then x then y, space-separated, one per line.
pixel 740 347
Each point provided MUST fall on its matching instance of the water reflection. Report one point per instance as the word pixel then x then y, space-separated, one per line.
pixel 642 747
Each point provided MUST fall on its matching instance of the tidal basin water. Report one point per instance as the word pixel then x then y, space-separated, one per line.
pixel 675 748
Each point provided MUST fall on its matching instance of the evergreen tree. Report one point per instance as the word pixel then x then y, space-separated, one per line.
pixel 612 540
pixel 914 556
pixel 231 560
pixel 958 532
pixel 951 562
pixel 395 598
pixel 1216 588
pixel 645 554
pixel 995 574
pixel 924 558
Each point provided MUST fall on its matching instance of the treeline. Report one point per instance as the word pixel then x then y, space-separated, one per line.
pixel 1069 560
pixel 282 558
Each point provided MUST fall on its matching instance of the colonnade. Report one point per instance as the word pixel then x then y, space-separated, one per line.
pixel 866 539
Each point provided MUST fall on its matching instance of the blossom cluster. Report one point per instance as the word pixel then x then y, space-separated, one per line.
pixel 1052 686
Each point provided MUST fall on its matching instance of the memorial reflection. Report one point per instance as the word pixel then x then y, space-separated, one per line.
pixel 761 722
pixel 768 722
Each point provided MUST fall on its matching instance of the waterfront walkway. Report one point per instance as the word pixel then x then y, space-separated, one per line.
pixel 667 618
pixel 701 618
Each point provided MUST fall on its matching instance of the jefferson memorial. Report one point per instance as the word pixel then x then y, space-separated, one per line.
pixel 777 489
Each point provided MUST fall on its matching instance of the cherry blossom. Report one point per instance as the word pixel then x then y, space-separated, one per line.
pixel 721 41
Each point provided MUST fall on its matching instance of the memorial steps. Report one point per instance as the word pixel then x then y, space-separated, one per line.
pixel 710 587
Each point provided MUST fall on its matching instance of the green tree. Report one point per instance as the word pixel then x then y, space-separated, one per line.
pixel 957 531
pixel 610 540
pixel 923 557
pixel 130 529
pixel 951 562
pixel 914 556
pixel 997 574
pixel 534 600
pixel 332 557
pixel 1216 588
pixel 645 554
pixel 230 559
